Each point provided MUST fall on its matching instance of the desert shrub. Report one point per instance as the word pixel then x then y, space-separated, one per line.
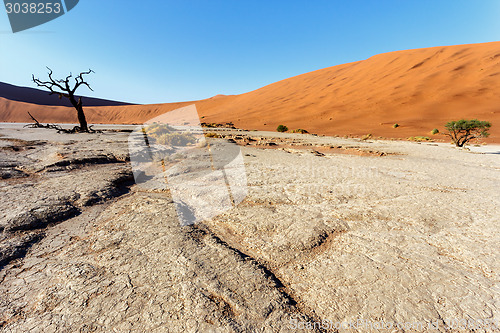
pixel 164 134
pixel 282 128
pixel 176 139
pixel 435 131
pixel 156 130
pixel 300 130
pixel 419 138
pixel 395 125
pixel 366 137
pixel 462 131
pixel 216 125
pixel 212 135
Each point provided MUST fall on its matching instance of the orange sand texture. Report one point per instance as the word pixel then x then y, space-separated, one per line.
pixel 419 89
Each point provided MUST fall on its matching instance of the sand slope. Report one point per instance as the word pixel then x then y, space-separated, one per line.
pixel 419 89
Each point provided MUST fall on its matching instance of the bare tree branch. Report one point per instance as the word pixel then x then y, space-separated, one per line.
pixel 79 80
pixel 52 81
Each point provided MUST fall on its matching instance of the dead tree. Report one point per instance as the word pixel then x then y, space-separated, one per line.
pixel 63 88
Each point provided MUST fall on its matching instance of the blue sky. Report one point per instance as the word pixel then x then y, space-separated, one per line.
pixel 167 51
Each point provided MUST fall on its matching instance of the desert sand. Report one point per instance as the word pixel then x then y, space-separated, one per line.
pixel 332 229
pixel 418 89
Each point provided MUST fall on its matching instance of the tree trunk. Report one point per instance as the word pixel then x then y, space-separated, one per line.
pixel 79 110
pixel 81 119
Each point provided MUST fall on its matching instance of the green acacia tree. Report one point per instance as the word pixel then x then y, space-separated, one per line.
pixel 282 128
pixel 462 131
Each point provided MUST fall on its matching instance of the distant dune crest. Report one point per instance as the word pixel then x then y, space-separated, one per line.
pixel 41 97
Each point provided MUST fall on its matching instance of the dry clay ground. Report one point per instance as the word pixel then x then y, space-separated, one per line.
pixel 381 231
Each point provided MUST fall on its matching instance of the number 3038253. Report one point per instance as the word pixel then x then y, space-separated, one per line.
pixel 33 8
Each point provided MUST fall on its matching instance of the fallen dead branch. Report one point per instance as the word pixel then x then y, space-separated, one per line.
pixel 58 128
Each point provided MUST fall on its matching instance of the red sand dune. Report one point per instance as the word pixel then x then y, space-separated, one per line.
pixel 419 89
